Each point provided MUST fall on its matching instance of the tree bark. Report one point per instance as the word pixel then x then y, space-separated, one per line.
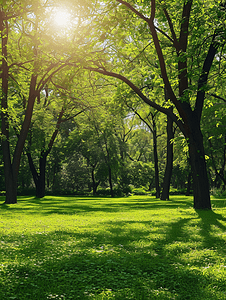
pixel 157 187
pixel 40 189
pixel 169 161
pixel 198 166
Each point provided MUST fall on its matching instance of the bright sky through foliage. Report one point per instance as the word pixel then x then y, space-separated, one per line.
pixel 62 17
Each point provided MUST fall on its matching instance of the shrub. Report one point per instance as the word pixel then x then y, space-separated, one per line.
pixel 218 193
pixel 140 191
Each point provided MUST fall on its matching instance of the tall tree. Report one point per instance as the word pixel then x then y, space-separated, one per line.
pixel 18 67
pixel 169 160
pixel 150 121
pixel 70 108
pixel 177 25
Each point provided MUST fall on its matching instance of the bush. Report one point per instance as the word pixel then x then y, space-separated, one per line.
pixel 140 191
pixel 174 191
pixel 103 192
pixel 218 193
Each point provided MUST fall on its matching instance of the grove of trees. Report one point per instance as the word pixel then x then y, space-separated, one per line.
pixel 125 96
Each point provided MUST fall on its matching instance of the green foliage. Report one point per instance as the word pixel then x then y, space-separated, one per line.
pixel 107 35
pixel 140 191
pixel 140 174
pixel 218 193
pixel 121 248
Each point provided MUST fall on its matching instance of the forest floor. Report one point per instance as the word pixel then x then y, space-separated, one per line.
pixel 102 248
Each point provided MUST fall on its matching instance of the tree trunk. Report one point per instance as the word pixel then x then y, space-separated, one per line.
pixel 40 188
pixel 11 167
pixel 94 183
pixel 39 178
pixel 157 187
pixel 188 184
pixel 169 161
pixel 10 176
pixel 110 180
pixel 198 167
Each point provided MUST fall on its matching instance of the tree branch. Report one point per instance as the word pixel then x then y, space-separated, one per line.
pixel 183 42
pixel 166 35
pixel 175 41
pixel 140 94
pixel 168 86
pixel 218 97
pixel 133 9
pixel 204 76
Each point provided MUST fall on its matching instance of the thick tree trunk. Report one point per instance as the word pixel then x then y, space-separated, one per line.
pixel 169 161
pixel 198 167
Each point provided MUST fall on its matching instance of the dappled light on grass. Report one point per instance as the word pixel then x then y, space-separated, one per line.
pixel 103 248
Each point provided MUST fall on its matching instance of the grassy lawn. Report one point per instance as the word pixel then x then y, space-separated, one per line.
pixel 103 248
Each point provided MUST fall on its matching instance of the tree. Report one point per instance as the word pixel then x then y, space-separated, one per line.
pixel 150 121
pixel 83 142
pixel 169 160
pixel 25 64
pixel 183 35
pixel 69 110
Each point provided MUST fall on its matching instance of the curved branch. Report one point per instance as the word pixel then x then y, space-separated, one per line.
pixel 43 82
pixel 168 86
pixel 161 59
pixel 133 9
pixel 140 94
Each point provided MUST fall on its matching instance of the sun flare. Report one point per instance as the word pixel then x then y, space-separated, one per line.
pixel 62 17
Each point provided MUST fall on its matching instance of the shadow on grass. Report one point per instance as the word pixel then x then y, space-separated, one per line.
pixel 110 262
pixel 211 223
pixel 121 260
pixel 210 218
pixel 75 205
pixel 92 269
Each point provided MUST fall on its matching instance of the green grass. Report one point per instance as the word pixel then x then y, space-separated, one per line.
pixel 102 248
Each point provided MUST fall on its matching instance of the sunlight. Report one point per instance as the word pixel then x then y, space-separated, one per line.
pixel 62 18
